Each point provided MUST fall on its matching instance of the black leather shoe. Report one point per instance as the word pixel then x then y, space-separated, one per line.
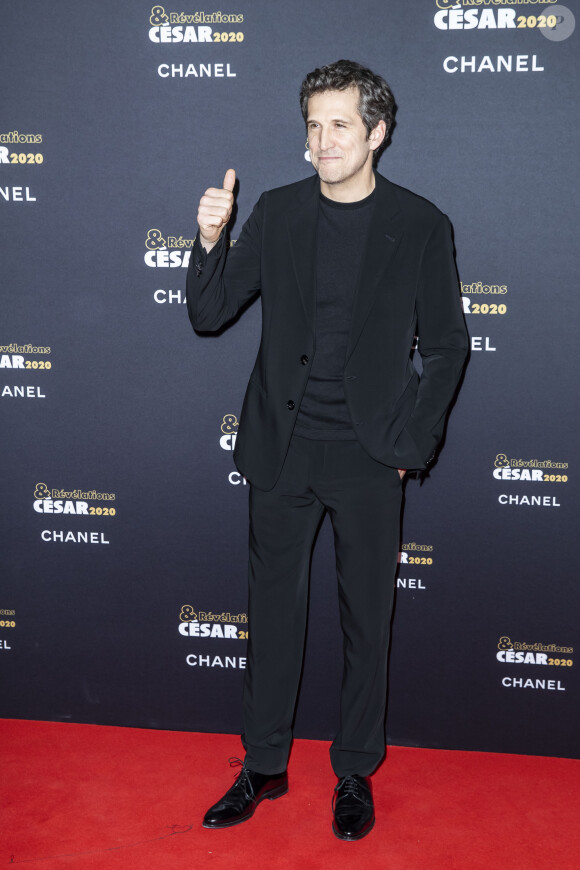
pixel 354 811
pixel 240 801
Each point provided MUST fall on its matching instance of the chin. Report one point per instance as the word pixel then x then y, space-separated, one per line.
pixel 326 174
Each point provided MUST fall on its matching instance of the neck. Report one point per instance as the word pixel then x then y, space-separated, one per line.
pixel 351 189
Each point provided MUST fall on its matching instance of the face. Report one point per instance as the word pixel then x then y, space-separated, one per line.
pixel 340 150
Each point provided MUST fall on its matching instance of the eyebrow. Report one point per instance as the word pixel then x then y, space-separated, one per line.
pixel 342 120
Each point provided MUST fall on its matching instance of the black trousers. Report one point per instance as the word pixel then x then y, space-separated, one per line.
pixel 363 499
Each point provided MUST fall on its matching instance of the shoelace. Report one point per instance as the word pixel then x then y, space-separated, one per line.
pixel 242 777
pixel 349 787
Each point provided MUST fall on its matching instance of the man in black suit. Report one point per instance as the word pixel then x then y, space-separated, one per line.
pixel 349 268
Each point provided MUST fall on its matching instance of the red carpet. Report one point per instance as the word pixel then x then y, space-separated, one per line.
pixel 85 796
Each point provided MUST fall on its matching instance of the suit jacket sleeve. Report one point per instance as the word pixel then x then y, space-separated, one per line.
pixel 220 283
pixel 443 341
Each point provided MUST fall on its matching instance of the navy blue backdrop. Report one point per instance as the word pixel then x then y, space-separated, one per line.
pixel 122 598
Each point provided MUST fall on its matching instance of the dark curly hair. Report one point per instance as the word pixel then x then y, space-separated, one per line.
pixel 376 101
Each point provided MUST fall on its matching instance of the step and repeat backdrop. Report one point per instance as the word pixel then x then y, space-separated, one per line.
pixel 123 586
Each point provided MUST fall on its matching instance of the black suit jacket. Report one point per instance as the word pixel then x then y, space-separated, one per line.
pixel 407 286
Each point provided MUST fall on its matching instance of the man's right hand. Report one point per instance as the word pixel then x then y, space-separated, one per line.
pixel 215 210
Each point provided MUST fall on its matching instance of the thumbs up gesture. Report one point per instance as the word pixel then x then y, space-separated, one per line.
pixel 215 210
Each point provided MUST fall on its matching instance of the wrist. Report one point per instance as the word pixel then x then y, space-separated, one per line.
pixel 207 244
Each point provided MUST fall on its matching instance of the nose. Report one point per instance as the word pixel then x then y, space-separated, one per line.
pixel 325 138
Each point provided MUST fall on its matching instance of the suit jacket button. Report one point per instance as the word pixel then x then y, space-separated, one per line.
pixel 290 405
pixel 304 359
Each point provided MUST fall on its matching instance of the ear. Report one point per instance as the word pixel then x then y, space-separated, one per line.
pixel 377 135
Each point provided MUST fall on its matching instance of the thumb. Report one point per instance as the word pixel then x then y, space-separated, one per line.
pixel 230 179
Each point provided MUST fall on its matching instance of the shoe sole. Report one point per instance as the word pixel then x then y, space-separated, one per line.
pixel 349 839
pixel 270 796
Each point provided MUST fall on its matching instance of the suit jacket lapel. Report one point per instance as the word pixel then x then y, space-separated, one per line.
pixel 302 227
pixel 385 233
